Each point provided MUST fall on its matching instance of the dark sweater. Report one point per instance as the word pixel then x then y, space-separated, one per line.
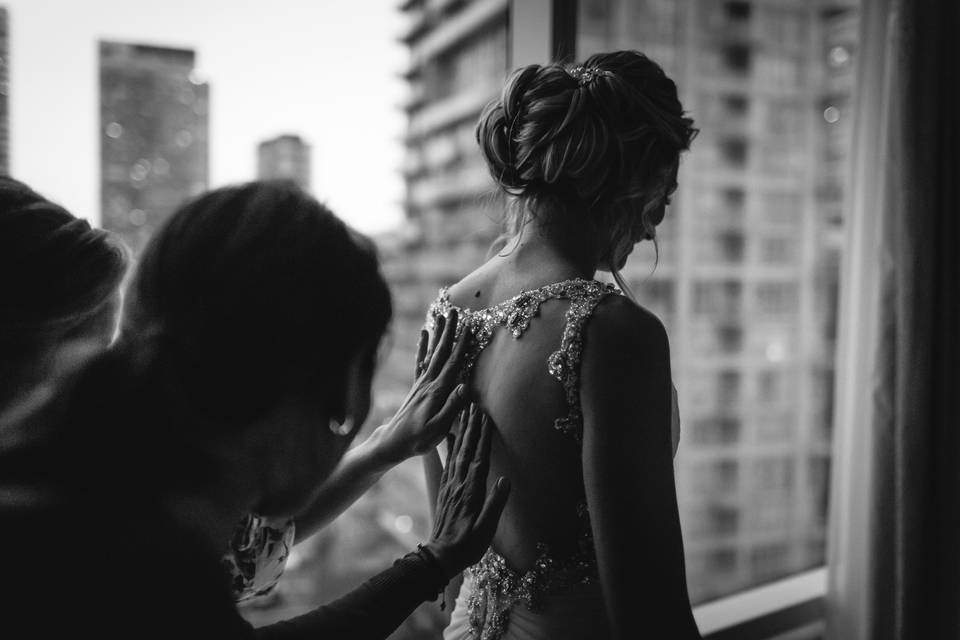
pixel 76 563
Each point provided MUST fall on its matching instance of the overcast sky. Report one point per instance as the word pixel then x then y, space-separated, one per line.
pixel 324 69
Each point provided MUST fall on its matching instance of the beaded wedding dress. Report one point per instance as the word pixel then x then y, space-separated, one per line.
pixel 558 598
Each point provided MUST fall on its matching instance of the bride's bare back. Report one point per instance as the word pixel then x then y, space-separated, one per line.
pixel 518 379
pixel 589 154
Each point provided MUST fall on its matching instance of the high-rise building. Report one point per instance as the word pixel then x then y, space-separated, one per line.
pixel 748 259
pixel 286 156
pixel 748 266
pixel 153 136
pixel 458 62
pixel 4 92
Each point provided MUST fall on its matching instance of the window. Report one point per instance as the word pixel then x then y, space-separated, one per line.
pixel 716 298
pixel 736 104
pixel 715 477
pixel 728 388
pixel 746 277
pixel 730 337
pixel 733 152
pixel 773 475
pixel 762 186
pixel 777 298
pixel 785 119
pixel 766 560
pixel 738 10
pixel 723 561
pixel 776 427
pixel 769 385
pixel 734 197
pixel 737 58
pixel 778 250
pixel 782 208
pixel 782 72
pixel 715 431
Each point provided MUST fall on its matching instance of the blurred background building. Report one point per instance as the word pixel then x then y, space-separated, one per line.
pixel 4 91
pixel 286 156
pixel 748 267
pixel 458 62
pixel 153 136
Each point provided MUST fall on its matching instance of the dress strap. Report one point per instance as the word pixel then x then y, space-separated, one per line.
pixel 564 363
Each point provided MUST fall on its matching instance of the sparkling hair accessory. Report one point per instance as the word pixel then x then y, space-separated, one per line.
pixel 586 75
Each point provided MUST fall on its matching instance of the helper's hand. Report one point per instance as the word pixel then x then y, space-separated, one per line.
pixel 466 516
pixel 435 399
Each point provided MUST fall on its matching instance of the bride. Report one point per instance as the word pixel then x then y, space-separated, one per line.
pixel 573 372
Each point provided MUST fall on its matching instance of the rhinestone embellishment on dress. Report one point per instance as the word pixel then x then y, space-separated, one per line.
pixel 497 587
pixel 516 313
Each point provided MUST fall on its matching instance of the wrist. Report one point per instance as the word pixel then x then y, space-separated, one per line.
pixel 377 453
pixel 443 557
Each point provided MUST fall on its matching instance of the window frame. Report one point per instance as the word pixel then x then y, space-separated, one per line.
pixel 764 612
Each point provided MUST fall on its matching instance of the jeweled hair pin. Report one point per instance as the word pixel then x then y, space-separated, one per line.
pixel 586 75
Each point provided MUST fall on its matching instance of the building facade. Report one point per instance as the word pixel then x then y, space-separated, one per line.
pixel 286 156
pixel 458 62
pixel 745 270
pixel 748 266
pixel 154 135
pixel 4 92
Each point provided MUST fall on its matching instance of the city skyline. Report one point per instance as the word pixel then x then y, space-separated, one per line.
pixel 289 76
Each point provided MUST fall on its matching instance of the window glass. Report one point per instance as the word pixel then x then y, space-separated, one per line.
pixel 754 263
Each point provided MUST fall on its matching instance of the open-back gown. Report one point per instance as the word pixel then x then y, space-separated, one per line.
pixel 558 598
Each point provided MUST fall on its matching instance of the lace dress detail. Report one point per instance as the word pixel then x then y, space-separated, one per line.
pixel 516 313
pixel 498 588
pixel 257 556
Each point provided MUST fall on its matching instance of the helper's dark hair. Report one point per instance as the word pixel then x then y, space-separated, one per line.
pixel 600 146
pixel 56 274
pixel 247 295
pixel 253 292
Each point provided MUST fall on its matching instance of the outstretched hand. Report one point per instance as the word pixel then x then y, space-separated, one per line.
pixel 466 516
pixel 435 399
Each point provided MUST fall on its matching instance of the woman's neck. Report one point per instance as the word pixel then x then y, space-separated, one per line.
pixel 552 253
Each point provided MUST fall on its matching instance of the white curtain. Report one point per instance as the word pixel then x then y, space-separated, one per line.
pixel 894 568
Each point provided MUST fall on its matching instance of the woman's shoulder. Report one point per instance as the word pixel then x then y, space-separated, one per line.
pixel 620 326
pixel 470 293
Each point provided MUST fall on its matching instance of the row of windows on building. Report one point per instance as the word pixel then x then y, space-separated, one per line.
pixel 766 472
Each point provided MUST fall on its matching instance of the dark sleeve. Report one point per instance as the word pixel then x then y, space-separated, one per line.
pixel 372 611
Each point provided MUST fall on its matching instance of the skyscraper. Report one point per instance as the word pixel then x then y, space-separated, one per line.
pixel 153 136
pixel 4 92
pixel 286 156
pixel 746 282
pixel 458 62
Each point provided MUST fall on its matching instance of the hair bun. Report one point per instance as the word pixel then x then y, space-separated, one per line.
pixel 602 132
pixel 498 127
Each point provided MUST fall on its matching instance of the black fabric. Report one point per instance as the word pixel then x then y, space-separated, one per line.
pixel 81 562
